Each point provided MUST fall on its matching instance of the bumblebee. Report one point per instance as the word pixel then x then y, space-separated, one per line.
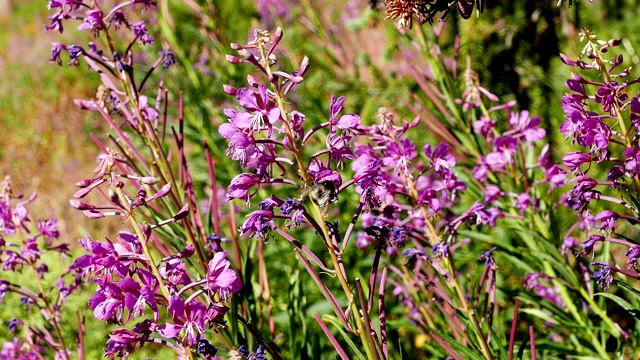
pixel 323 193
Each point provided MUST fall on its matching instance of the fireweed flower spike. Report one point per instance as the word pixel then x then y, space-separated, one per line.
pixel 165 291
pixel 23 244
pixel 602 121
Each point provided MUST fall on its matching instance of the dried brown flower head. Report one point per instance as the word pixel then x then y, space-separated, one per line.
pixel 404 10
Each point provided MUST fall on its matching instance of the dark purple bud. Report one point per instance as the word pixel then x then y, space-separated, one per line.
pixel 205 347
pixel 56 50
pixel 617 61
pixel 168 59
pixel 235 46
pixel 187 252
pixel 615 173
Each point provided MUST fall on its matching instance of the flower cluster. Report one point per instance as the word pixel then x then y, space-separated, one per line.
pixel 602 118
pixel 171 291
pixel 131 286
pixel 24 247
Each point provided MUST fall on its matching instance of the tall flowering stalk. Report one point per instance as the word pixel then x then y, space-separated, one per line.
pixel 512 169
pixel 164 274
pixel 602 114
pixel 25 247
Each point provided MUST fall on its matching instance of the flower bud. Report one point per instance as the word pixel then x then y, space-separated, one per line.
pixel 149 180
pixel 229 89
pixel 77 204
pixel 233 59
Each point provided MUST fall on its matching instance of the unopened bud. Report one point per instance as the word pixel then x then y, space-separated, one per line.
pixel 84 183
pixel 77 204
pixel 149 180
pixel 229 89
pixel 92 214
pixel 82 193
pixel 277 36
pixel 182 213
pixel 234 59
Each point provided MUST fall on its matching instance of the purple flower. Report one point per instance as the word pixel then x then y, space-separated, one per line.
pixel 259 354
pixel 49 228
pixel 270 10
pixel 56 50
pixel 491 194
pixel 611 95
pixel 484 127
pixel 441 160
pixel 93 21
pixel 363 240
pixel 259 108
pixel 140 30
pixel 240 185
pixel 607 220
pixel 168 59
pixel 175 272
pixel 527 126
pixel 615 174
pixel 633 254
pixel 242 147
pixel 399 156
pixel 604 276
pixel 108 303
pixel 573 160
pixel 189 319
pixel 440 249
pixel 339 146
pixel 347 122
pixel 487 256
pixel 543 286
pixel 121 343
pixel 335 107
pixel 587 246
pixel 259 223
pixel 221 279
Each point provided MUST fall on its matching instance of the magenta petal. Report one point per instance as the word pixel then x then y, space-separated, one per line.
pixel 176 307
pixel 227 130
pixel 247 98
pixel 96 299
pixel 106 309
pixel 273 115
pixel 242 120
pixel 349 121
pixel 169 330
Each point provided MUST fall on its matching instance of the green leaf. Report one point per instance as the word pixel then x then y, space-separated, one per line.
pixel 623 303
pixel 633 292
pixel 333 320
